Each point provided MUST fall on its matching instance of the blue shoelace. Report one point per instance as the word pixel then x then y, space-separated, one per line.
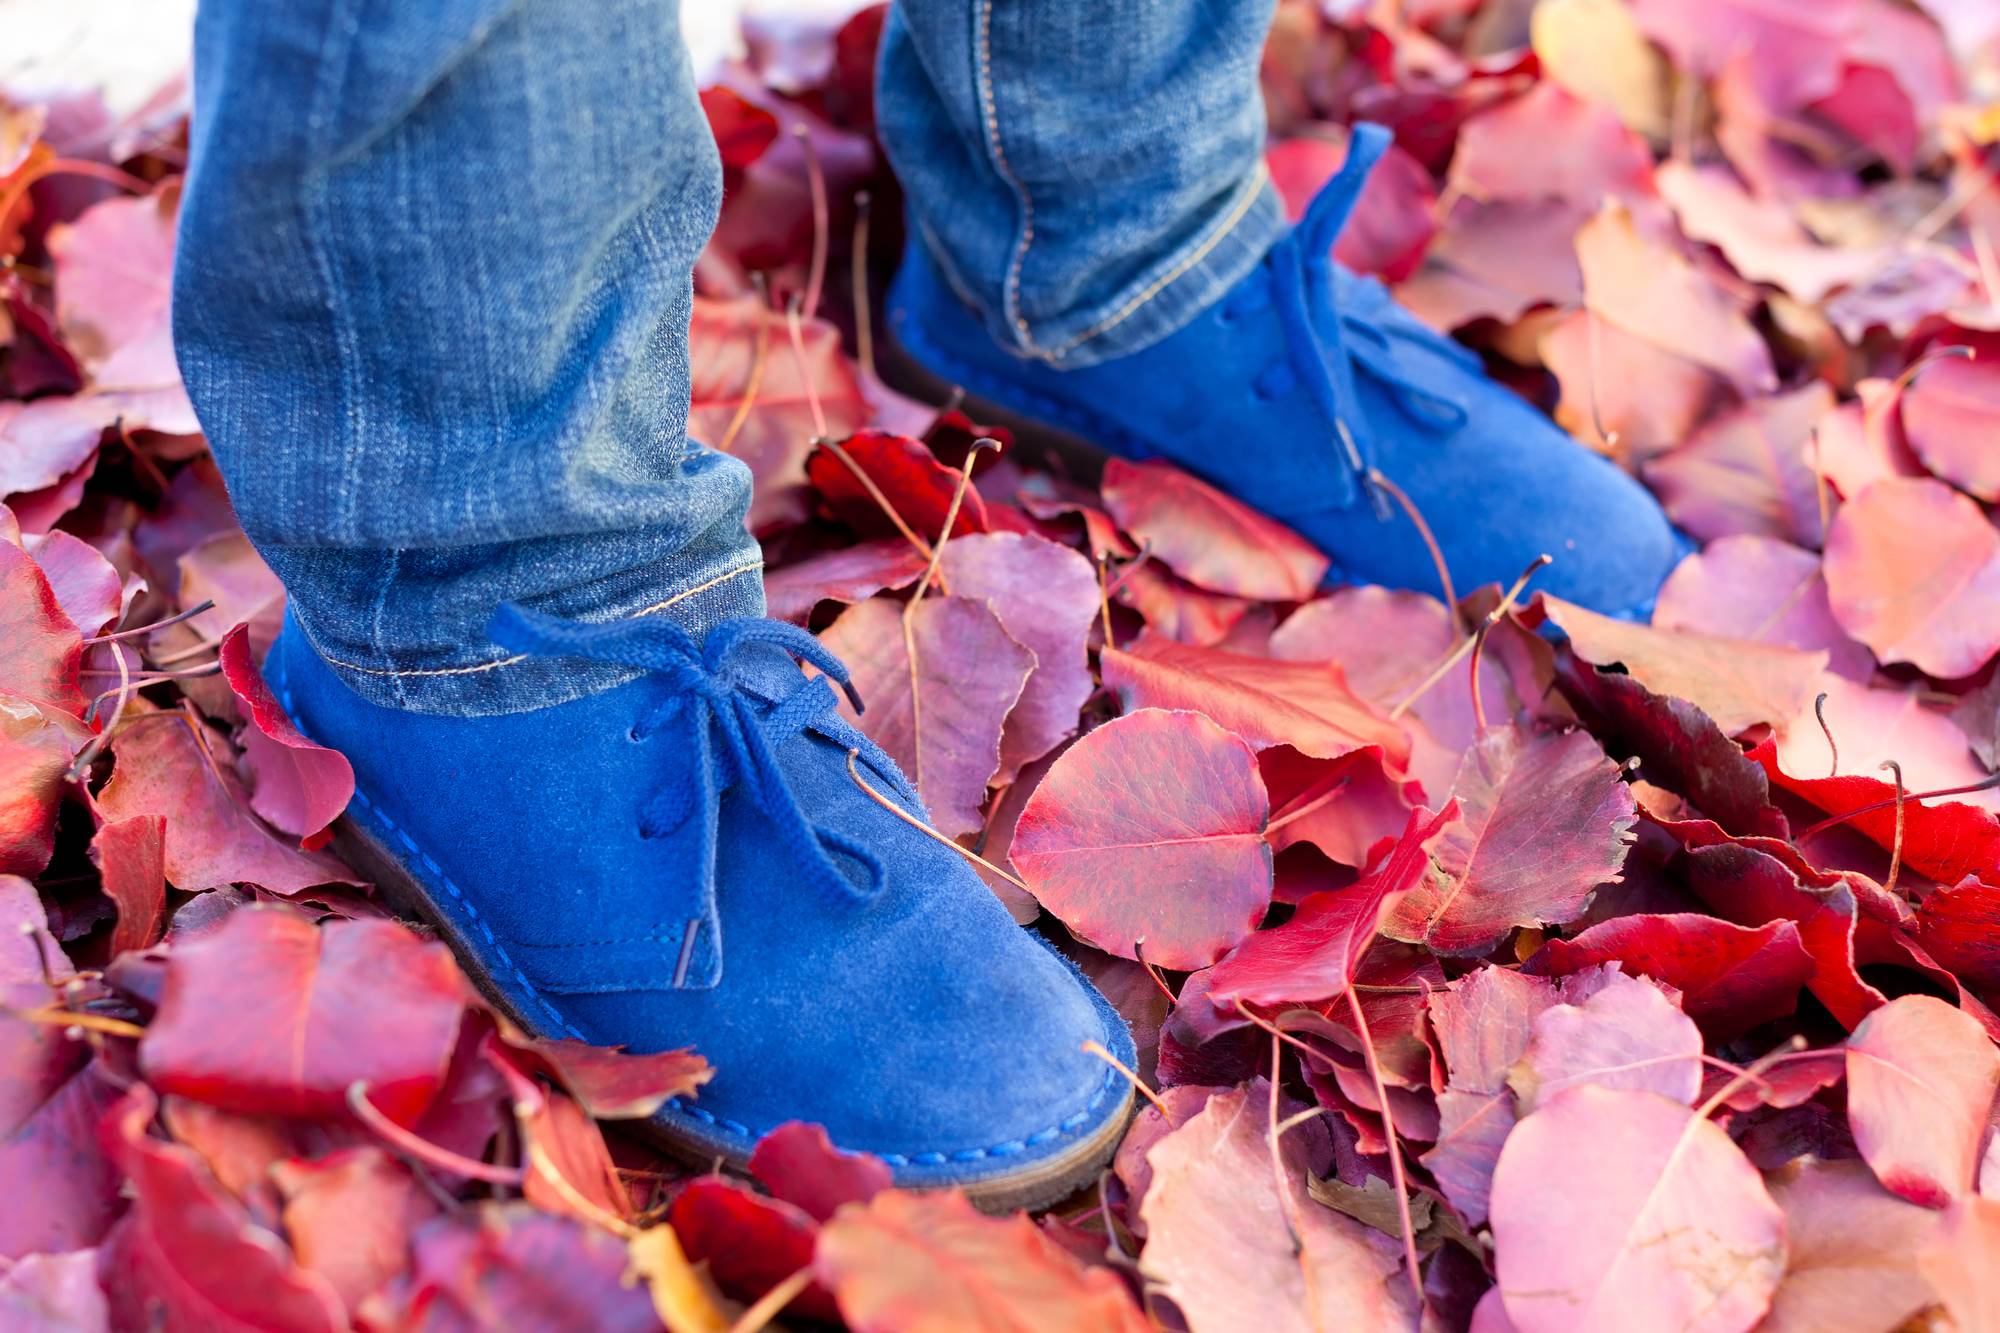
pixel 1325 352
pixel 733 734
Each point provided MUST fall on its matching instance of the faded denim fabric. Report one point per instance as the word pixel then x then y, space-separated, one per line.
pixel 434 279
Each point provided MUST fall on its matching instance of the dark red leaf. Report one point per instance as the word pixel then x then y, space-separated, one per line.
pixel 301 788
pixel 1148 834
pixel 1731 978
pixel 1960 927
pixel 36 747
pixel 613 1084
pixel 750 1242
pixel 742 129
pixel 270 1014
pixel 908 475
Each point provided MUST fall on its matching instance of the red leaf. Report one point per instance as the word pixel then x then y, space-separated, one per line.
pixel 970 673
pixel 1546 820
pixel 131 864
pixel 928 1263
pixel 1951 414
pixel 40 650
pixel 1232 1254
pixel 1731 978
pixel 1946 841
pixel 612 1084
pixel 1311 959
pixel 301 787
pixel 1913 571
pixel 349 1216
pixel 187 1256
pixel 749 1242
pixel 742 129
pixel 778 425
pixel 799 1164
pixel 1148 834
pixel 270 1014
pixel 212 838
pixel 1173 607
pixel 1305 705
pixel 1674 1232
pixel 36 748
pixel 1960 927
pixel 1752 887
pixel 1737 684
pixel 1045 596
pixel 1208 538
pixel 506 1266
pixel 1920 1082
pixel 908 475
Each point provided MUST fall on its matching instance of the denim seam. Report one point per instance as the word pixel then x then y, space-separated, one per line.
pixel 1252 189
pixel 514 658
pixel 1025 237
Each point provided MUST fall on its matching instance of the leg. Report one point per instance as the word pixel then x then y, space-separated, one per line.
pixel 1097 253
pixel 1090 176
pixel 433 307
pixel 432 303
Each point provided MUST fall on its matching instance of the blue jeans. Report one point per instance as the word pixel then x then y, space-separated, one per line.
pixel 432 293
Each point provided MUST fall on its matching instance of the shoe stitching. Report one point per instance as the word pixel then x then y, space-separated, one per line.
pixel 1012 296
pixel 657 607
pixel 1009 1148
pixel 1253 188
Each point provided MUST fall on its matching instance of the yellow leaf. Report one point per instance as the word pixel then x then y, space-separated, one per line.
pixel 682 1296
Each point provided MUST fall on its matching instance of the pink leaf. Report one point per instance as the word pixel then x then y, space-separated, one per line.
pixel 1913 571
pixel 1672 1231
pixel 1759 589
pixel 1232 1253
pixel 1208 538
pixel 943 728
pixel 1958 1263
pixel 1149 834
pixel 1546 820
pixel 1854 1249
pixel 1920 1082
pixel 1628 1036
pixel 1746 471
pixel 87 588
pixel 1951 414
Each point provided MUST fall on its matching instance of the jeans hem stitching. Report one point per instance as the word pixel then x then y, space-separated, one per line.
pixel 514 658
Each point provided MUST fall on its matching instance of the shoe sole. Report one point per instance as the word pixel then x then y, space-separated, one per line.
pixel 1076 456
pixel 1046 1183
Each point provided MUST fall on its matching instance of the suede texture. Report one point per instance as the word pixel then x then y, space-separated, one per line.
pixel 921 1025
pixel 1496 480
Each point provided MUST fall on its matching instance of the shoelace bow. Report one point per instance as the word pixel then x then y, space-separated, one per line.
pixel 735 737
pixel 1325 352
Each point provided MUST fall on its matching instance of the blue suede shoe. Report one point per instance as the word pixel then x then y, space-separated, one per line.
pixel 1299 392
pixel 687 859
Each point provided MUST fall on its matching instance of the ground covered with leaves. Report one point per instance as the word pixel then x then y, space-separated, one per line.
pixel 1642 981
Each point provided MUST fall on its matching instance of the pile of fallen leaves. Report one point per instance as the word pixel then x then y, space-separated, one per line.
pixel 1639 982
